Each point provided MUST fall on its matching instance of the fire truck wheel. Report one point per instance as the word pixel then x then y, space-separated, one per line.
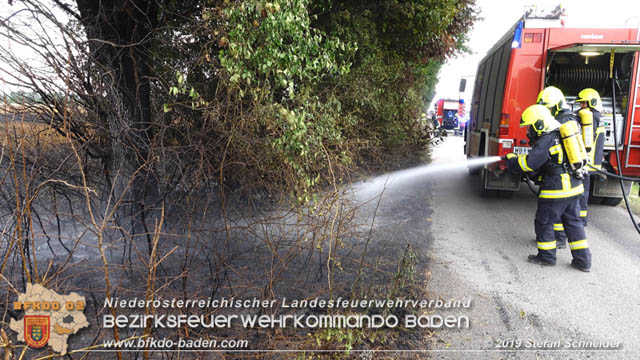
pixel 593 199
pixel 611 201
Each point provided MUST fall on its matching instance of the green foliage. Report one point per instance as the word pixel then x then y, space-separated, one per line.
pixel 401 46
pixel 406 274
pixel 415 30
pixel 272 45
pixel 293 93
pixel 275 61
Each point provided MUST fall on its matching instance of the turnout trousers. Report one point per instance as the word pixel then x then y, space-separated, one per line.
pixel 561 211
pixel 584 198
pixel 558 228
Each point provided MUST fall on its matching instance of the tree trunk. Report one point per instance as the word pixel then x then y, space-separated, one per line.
pixel 120 33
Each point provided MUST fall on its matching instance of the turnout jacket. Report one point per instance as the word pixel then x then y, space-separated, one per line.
pixel 566 115
pixel 546 158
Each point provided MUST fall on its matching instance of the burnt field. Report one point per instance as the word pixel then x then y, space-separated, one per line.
pixel 66 228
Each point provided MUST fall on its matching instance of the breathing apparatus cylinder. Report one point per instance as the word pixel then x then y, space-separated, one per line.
pixel 573 145
pixel 586 119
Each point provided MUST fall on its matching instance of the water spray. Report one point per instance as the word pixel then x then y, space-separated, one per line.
pixel 382 181
pixel 431 169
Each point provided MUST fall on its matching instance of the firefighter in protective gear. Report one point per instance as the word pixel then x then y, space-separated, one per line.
pixel 553 98
pixel 593 135
pixel 558 200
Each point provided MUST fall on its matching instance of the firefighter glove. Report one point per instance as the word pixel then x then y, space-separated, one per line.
pixel 508 156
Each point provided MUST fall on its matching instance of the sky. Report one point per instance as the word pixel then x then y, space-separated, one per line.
pixel 22 20
pixel 500 15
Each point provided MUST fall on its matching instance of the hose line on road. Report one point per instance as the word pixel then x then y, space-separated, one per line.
pixel 614 75
pixel 624 194
pixel 636 225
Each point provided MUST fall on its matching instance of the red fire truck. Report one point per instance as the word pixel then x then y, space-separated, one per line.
pixel 538 51
pixel 450 115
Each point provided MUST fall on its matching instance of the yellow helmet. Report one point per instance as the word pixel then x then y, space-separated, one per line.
pixel 552 98
pixel 591 97
pixel 539 118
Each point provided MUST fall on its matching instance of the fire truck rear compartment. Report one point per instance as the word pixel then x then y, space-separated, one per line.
pixel 571 72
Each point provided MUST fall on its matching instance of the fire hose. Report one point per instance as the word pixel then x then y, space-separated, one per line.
pixel 615 141
pixel 613 75
pixel 608 174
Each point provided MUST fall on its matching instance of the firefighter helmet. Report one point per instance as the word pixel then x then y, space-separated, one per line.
pixel 591 97
pixel 552 98
pixel 539 119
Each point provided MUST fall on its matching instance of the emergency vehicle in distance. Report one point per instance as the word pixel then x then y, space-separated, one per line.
pixel 450 115
pixel 538 52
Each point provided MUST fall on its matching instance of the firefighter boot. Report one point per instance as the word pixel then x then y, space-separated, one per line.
pixel 536 259
pixel 577 265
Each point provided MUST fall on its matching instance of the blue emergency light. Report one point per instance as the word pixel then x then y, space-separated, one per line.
pixel 517 36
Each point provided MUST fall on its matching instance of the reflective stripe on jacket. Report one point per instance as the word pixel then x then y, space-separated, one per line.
pixel 546 158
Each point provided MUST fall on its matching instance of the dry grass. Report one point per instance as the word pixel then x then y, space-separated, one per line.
pixel 60 211
pixel 32 135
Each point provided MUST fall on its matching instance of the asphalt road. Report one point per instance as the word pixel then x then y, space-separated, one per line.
pixel 522 310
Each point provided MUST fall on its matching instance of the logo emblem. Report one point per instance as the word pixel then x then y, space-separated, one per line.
pixel 36 330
